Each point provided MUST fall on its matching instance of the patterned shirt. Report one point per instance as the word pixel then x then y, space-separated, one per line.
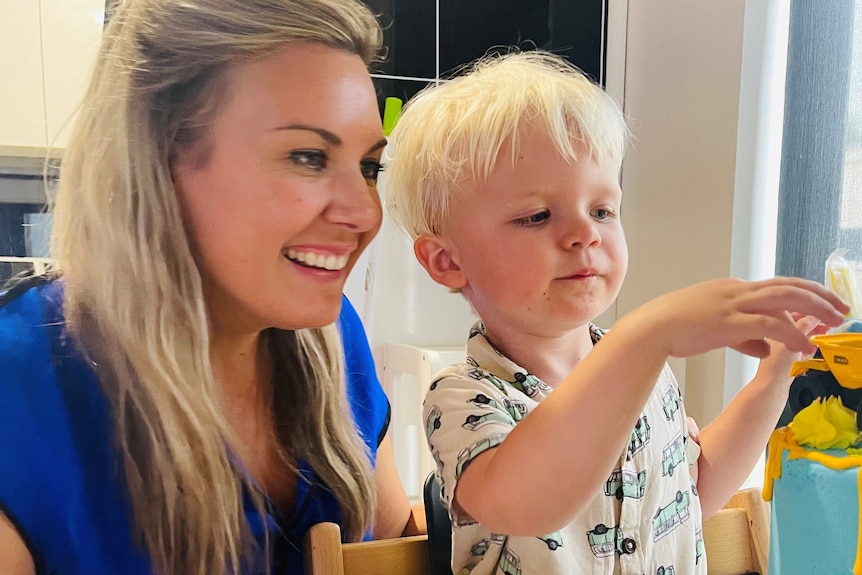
pixel 644 519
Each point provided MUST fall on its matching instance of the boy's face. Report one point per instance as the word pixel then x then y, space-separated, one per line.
pixel 539 248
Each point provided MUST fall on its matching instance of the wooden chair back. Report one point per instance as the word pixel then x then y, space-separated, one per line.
pixel 737 536
pixel 325 554
pixel 736 540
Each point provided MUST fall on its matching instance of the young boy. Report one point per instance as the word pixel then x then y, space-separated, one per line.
pixel 561 449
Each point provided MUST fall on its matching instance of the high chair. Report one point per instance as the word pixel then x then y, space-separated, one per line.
pixel 325 554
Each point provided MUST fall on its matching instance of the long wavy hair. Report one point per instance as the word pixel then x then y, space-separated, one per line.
pixel 133 294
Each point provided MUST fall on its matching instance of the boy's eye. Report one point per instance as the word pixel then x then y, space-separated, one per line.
pixel 371 169
pixel 311 159
pixel 603 213
pixel 534 219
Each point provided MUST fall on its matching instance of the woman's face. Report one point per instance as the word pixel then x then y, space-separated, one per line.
pixel 283 203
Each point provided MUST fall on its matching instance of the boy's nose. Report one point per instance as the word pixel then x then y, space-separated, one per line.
pixel 582 232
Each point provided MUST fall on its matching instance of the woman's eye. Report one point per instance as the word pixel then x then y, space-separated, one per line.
pixel 371 169
pixel 603 213
pixel 534 219
pixel 311 159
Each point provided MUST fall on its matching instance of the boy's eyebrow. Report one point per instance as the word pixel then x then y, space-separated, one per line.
pixel 328 136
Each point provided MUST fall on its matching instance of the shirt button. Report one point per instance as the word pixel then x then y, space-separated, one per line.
pixel 629 545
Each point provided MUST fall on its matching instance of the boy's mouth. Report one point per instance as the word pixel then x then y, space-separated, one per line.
pixel 585 273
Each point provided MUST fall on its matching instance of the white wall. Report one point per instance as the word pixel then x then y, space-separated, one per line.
pixel 21 105
pixel 683 70
pixel 47 49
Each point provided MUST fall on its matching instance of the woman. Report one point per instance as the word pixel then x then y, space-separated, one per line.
pixel 176 402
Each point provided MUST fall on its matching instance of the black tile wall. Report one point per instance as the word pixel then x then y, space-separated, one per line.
pixel 396 88
pixel 409 35
pixel 469 29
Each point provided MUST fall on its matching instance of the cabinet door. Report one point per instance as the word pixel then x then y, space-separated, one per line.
pixel 22 118
pixel 71 33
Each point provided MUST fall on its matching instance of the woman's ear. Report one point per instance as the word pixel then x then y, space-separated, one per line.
pixel 437 256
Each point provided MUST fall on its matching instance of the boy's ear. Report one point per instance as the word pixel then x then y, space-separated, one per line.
pixel 436 256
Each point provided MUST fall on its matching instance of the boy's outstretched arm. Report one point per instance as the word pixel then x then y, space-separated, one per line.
pixel 733 442
pixel 558 456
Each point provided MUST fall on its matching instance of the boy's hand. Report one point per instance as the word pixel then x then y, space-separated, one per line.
pixel 775 368
pixel 742 315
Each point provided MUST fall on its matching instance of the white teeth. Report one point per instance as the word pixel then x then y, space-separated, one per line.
pixel 331 262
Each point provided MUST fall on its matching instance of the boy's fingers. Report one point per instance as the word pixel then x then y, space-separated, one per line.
pixel 808 324
pixel 758 348
pixel 781 329
pixel 779 299
pixel 811 286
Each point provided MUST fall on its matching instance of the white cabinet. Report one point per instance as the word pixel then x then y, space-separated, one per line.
pixel 22 109
pixel 47 50
pixel 71 34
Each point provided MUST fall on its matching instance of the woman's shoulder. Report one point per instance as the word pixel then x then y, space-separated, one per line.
pixel 47 389
pixel 56 452
pixel 36 354
pixel 22 297
pixel 30 314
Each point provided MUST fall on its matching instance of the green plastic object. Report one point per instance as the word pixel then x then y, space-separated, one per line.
pixel 391 111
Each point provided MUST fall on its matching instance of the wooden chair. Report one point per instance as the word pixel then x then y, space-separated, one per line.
pixel 736 540
pixel 325 554
pixel 737 536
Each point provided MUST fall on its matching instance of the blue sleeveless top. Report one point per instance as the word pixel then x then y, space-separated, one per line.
pixel 60 479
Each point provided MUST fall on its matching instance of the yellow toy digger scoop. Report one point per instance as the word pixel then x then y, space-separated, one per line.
pixel 842 355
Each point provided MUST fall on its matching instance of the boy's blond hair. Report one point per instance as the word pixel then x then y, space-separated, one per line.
pixel 452 133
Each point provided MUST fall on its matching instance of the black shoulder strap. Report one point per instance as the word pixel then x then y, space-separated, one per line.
pixel 19 284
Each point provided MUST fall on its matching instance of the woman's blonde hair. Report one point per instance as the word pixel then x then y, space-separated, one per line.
pixel 133 294
pixel 452 133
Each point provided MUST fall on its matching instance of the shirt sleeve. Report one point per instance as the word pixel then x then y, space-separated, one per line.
pixel 466 413
pixel 367 400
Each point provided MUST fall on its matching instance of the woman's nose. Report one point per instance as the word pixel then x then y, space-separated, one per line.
pixel 356 204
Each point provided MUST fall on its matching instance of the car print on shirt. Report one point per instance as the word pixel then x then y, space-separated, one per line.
pixel 432 421
pixel 516 409
pixel 475 421
pixel 476 373
pixel 672 515
pixel 553 540
pixel 640 436
pixel 605 542
pixel 496 381
pixel 481 547
pixel 626 483
pixel 529 384
pixel 698 545
pixel 672 455
pixel 670 401
pixel 510 563
pixel 468 453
